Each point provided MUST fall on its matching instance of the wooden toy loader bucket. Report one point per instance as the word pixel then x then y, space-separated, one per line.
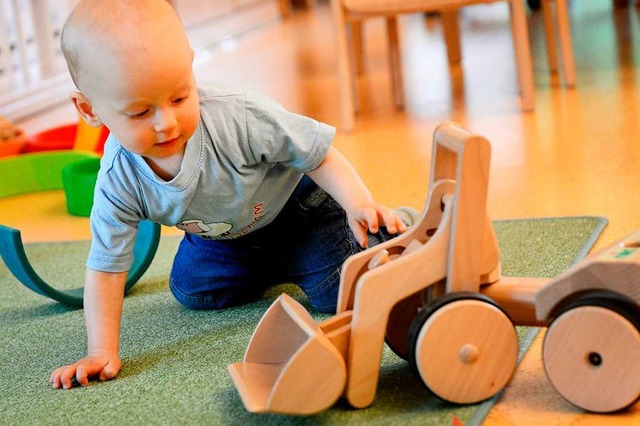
pixel 290 365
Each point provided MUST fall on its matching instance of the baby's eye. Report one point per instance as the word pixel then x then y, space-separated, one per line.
pixel 138 114
pixel 179 100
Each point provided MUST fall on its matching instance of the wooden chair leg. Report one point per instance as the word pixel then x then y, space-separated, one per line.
pixel 523 54
pixel 345 79
pixel 395 64
pixel 451 31
pixel 550 35
pixel 358 45
pixel 285 8
pixel 353 56
pixel 566 45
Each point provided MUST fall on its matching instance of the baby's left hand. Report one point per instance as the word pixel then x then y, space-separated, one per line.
pixel 369 217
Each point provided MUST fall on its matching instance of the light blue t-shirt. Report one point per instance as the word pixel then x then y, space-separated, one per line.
pixel 240 166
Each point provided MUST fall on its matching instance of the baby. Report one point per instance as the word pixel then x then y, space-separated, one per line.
pixel 260 192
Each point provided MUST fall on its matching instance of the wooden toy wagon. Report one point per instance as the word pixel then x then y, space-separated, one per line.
pixel 436 296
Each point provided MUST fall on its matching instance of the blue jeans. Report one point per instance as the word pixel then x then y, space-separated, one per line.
pixel 306 244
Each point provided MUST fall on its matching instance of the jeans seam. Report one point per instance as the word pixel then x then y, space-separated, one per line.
pixel 322 285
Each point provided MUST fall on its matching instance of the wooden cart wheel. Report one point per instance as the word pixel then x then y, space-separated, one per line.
pixel 591 356
pixel 463 347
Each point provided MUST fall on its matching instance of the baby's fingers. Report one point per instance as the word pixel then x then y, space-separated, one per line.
pixel 400 226
pixel 359 232
pixel 82 375
pixel 54 379
pixel 110 371
pixel 66 376
pixel 62 377
pixel 391 221
pixel 371 218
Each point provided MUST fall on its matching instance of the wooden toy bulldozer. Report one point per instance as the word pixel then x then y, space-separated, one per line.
pixel 436 296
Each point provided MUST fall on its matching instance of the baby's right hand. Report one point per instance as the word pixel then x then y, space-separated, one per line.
pixel 102 366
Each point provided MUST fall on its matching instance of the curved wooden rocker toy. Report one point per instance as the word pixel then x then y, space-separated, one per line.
pixel 436 296
pixel 14 256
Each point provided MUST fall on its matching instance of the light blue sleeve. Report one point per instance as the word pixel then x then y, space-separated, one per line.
pixel 114 220
pixel 276 135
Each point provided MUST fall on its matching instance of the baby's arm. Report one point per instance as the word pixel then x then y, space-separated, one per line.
pixel 338 177
pixel 103 298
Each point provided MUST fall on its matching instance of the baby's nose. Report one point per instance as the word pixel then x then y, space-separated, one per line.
pixel 164 120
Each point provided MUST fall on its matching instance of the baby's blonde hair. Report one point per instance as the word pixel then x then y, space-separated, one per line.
pixel 94 22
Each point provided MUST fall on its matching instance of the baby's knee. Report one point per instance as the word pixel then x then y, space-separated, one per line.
pixel 199 301
pixel 215 298
pixel 323 296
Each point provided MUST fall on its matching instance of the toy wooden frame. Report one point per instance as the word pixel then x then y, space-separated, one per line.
pixel 444 274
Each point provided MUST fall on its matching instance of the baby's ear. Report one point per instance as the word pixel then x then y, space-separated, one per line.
pixel 85 109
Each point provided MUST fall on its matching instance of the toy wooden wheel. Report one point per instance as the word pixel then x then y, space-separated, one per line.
pixel 591 355
pixel 463 347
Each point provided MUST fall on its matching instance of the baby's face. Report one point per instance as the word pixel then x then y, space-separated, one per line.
pixel 147 98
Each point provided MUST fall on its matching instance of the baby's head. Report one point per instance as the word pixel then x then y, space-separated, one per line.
pixel 132 64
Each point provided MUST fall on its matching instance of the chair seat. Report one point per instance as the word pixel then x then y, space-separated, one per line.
pixel 394 7
pixel 348 15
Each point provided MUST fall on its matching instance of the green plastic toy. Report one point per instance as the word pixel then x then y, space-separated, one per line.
pixel 22 174
pixel 79 181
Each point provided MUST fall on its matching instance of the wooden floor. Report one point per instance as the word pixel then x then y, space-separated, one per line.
pixel 578 153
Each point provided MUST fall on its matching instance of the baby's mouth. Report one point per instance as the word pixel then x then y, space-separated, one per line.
pixel 167 143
